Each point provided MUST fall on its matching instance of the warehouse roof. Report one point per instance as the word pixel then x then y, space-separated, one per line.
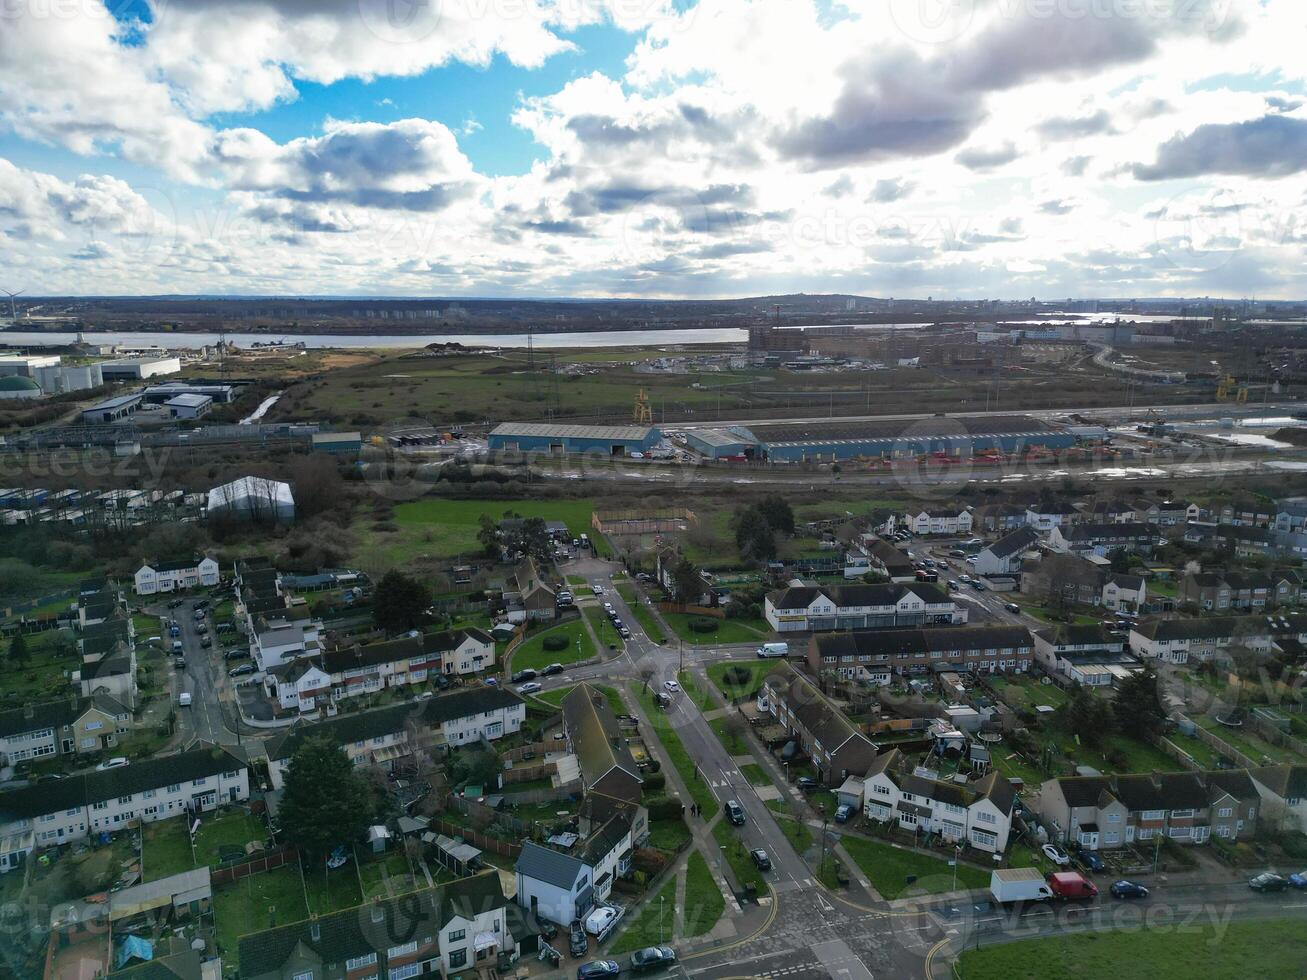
pixel 549 429
pixel 189 400
pixel 720 437
pixel 957 426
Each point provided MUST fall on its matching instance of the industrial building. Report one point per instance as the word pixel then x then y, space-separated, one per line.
pixel 958 437
pixel 139 368
pixel 252 498
pixel 112 409
pixel 16 386
pixel 342 443
pixel 57 378
pixel 26 364
pixel 556 438
pixel 221 392
pixel 188 406
pixel 721 443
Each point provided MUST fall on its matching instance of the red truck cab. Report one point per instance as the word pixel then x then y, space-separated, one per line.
pixel 1071 884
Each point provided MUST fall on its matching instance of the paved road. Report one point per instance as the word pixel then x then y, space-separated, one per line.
pixel 210 716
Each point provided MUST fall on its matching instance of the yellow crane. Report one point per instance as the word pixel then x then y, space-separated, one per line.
pixel 1229 389
pixel 642 414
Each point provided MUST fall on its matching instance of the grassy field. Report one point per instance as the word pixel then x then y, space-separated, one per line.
pixel 675 750
pixel 614 696
pixel 733 742
pixel 532 652
pixel 44 675
pixel 166 849
pixel 1269 949
pixel 642 613
pixel 757 671
pixel 704 903
pixel 386 874
pixel 273 898
pixel 1248 743
pixel 888 868
pixel 737 855
pixel 332 890
pixel 602 628
pixel 668 835
pixel 228 832
pixel 727 631
pixel 654 925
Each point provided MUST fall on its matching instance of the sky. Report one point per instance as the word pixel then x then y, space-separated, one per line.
pixel 654 148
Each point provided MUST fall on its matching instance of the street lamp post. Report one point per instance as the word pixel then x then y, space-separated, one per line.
pixel 662 903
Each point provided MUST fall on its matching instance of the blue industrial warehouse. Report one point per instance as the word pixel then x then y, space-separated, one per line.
pixel 721 443
pixel 547 437
pixel 957 436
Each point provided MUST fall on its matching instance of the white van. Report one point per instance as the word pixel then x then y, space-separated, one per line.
pixel 774 650
pixel 184 700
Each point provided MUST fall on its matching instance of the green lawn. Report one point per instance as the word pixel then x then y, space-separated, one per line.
pixel 256 902
pixel 733 742
pixel 1268 949
pixel 577 580
pixel 555 697
pixel 737 855
pixel 603 628
pixel 701 698
pixel 44 675
pixel 757 671
pixel 642 613
pixel 332 890
pixel 1250 744
pixel 386 874
pixel 797 832
pixel 227 833
pixel 654 925
pixel 1026 692
pixel 455 523
pixel 166 849
pixel 668 835
pixel 704 903
pixel 888 868
pixel 727 631
pixel 532 652
pixel 755 774
pixel 675 750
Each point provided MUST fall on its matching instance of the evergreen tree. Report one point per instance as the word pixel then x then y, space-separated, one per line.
pixel 326 802
pixel 18 649
pixel 400 602
pixel 1138 705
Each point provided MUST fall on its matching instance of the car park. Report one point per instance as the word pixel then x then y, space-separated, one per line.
pixel 1268 881
pixel 1128 889
pixel 1056 855
pixel 653 958
pixel 530 687
pixel 760 859
pixel 734 813
pixel 598 968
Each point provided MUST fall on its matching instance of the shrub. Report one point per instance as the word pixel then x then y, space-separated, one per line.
pixel 665 808
pixel 736 676
pixel 654 782
pixel 703 624
pixel 555 642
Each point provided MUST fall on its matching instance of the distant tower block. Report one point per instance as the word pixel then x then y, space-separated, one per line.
pixel 643 413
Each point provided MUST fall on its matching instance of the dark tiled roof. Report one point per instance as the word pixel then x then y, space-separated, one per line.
pixel 1162 791
pixel 1022 539
pixel 547 865
pixel 466 702
pixel 374 928
pixel 596 737
pixel 1079 791
pixel 1285 781
pixel 54 714
pixel 1090 634
pixel 346 729
pixel 902 642
pixel 827 724
pixel 607 837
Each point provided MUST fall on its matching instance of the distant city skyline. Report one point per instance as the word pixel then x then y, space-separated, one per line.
pixel 659 149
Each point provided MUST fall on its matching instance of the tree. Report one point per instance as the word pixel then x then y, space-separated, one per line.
pixel 686 582
pixel 18 650
pixel 399 603
pixel 488 536
pixel 326 801
pixel 1138 706
pixel 1120 559
pixel 1087 716
pixel 777 513
pixel 754 536
pixel 531 537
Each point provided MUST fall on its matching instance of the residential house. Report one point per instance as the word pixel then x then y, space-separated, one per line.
pixel 819 608
pixel 563 887
pixel 1101 539
pixel 1206 590
pixel 1004 556
pixel 1109 512
pixel 473 713
pixel 113 674
pixel 79 806
pixel 597 809
pixel 1246 511
pixel 154 577
pixel 595 738
pixel 298 685
pixel 70 726
pixel 997 518
pixel 889 561
pixel 1046 516
pixel 1167 513
pixel 1291 515
pixel 946 520
pixel 978 814
pixel 1212 637
pixel 408 660
pixel 1283 790
pixel 528 596
pixel 875 655
pixel 1106 812
pixel 277 641
pixel 107 636
pixel 1063 580
pixel 1089 654
pixel 450 930
pixel 1124 593
pixel 836 746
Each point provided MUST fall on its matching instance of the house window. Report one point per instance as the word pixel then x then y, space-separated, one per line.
pixel 985 817
pixel 359 962
pixel 306 975
pixel 412 969
pixel 1114 818
pixel 457 958
pixel 404 950
pixel 457 936
pixel 1225 811
pixel 1111 837
pixel 984 838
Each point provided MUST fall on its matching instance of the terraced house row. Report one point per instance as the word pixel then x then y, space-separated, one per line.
pixel 846 607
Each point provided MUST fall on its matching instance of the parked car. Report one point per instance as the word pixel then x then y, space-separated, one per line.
pixel 551 670
pixel 1268 881
pixel 1298 879
pixel 843 813
pixel 597 589
pixel 240 670
pixel 598 968
pixel 1090 859
pixel 653 958
pixel 176 603
pixel 522 676
pixel 1013 608
pixel 577 943
pixel 734 813
pixel 443 682
pixel 760 859
pixel 206 642
pixel 235 655
pixel 807 784
pixel 1128 889
pixel 531 687
pixel 1071 885
pixel 1056 855
pixel 183 700
pixel 623 632
pixel 179 663
pixel 116 762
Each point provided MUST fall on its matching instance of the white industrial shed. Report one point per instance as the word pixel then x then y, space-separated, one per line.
pixel 252 498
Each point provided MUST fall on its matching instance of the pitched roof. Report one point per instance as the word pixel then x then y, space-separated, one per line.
pixel 94 787
pixel 601 843
pixel 596 737
pixel 55 714
pixel 547 865
pixel 884 594
pixel 903 642
pixel 1076 635
pixel 1284 781
pixel 827 724
pixel 1081 791
pixel 1022 539
pixel 373 928
pixel 1133 583
pixel 1162 791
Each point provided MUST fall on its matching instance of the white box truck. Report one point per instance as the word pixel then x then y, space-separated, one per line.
pixel 774 650
pixel 1019 885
